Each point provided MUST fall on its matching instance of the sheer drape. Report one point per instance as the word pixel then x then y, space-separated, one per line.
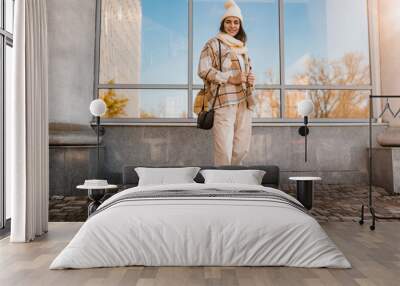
pixel 28 123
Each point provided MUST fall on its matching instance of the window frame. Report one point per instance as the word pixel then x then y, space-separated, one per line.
pixel 6 39
pixel 373 87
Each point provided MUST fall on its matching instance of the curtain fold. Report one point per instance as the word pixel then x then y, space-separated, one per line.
pixel 29 123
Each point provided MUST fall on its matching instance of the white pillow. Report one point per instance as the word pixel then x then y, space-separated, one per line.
pixel 248 177
pixel 163 176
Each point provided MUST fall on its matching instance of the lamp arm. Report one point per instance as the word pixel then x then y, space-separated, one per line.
pixel 305 120
pixel 98 145
pixel 305 146
pixel 305 138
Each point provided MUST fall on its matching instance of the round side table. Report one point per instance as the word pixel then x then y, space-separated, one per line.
pixel 304 190
pixel 95 194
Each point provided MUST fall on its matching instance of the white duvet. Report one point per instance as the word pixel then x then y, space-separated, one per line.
pixel 200 231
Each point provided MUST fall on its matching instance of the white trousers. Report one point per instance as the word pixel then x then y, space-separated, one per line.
pixel 232 134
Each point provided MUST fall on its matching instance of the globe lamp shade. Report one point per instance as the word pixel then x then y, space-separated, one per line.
pixel 305 107
pixel 98 107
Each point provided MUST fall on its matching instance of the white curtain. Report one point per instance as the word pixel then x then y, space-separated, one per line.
pixel 28 123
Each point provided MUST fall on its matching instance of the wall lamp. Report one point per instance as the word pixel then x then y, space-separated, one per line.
pixel 305 108
pixel 98 108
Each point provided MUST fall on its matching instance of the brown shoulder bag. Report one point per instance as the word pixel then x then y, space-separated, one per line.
pixel 205 119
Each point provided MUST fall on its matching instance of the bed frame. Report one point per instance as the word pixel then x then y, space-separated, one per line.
pixel 271 178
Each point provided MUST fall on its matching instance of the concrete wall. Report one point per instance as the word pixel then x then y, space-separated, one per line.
pixel 70 166
pixel 337 153
pixel 71 39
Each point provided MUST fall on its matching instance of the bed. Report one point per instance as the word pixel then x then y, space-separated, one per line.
pixel 198 224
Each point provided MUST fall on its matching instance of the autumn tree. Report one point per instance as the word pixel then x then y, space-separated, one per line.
pixel 268 102
pixel 350 70
pixel 115 103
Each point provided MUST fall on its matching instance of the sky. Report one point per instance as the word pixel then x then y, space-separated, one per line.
pixel 313 28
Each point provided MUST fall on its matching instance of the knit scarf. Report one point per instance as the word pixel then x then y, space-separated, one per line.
pixel 236 45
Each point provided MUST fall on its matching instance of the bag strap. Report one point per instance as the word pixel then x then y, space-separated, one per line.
pixel 204 88
pixel 220 68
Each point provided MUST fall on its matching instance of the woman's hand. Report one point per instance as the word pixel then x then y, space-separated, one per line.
pixel 251 79
pixel 238 79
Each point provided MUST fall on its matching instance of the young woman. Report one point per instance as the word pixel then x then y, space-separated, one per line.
pixel 235 102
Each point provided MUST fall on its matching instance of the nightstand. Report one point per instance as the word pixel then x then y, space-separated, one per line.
pixel 95 194
pixel 304 190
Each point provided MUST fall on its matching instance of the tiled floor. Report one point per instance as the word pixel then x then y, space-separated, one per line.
pixel 331 203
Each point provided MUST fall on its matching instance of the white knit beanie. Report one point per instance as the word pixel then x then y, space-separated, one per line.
pixel 232 9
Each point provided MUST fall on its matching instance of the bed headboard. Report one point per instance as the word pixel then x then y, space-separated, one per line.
pixel 270 179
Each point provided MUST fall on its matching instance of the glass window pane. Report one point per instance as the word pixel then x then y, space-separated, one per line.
pixel 326 42
pixel 9 15
pixel 142 40
pixel 340 104
pixel 269 104
pixel 261 23
pixel 8 89
pixel 145 103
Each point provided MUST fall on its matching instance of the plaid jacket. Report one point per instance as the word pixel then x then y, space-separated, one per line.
pixel 210 72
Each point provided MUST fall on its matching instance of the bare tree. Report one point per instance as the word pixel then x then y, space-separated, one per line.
pixel 350 70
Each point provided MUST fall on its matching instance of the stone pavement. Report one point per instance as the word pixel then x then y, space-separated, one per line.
pixel 343 202
pixel 70 208
pixel 331 203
